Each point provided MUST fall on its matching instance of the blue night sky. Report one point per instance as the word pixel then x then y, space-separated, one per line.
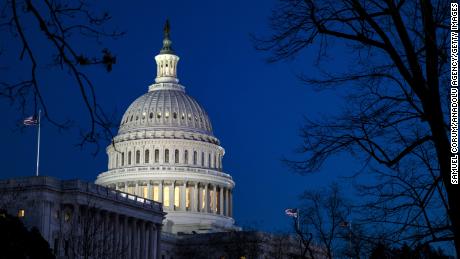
pixel 256 108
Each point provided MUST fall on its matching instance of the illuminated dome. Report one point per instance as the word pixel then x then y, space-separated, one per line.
pixel 165 151
pixel 165 107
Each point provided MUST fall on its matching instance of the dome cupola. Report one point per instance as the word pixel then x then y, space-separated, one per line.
pixel 166 60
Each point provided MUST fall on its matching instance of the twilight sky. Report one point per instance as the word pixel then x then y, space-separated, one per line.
pixel 256 108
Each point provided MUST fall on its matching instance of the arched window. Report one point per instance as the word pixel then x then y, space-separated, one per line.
pixel 209 160
pixel 166 155
pixel 146 156
pixel 202 159
pixel 186 157
pixel 175 115
pixel 151 115
pixel 194 157
pixel 176 156
pixel 157 155
pixel 138 156
pixel 122 158
pixel 129 157
pixel 215 159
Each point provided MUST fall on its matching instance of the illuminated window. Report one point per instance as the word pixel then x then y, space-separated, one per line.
pixel 211 196
pixel 166 196
pixel 203 199
pixel 176 156
pixel 155 193
pixel 21 213
pixel 131 189
pixel 129 157
pixel 177 197
pixel 194 157
pixel 145 192
pixel 185 157
pixel 138 157
pixel 189 117
pixel 182 116
pixel 166 155
pixel 157 155
pixel 146 156
pixel 166 115
pixel 158 115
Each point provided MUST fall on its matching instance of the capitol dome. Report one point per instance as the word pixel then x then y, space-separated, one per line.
pixel 166 108
pixel 165 151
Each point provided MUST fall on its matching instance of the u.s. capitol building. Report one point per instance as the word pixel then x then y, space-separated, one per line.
pixel 166 151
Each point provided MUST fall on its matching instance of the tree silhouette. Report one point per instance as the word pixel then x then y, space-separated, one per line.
pixel 16 241
pixel 396 113
pixel 49 34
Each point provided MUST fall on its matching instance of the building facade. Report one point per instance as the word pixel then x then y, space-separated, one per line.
pixel 85 220
pixel 165 150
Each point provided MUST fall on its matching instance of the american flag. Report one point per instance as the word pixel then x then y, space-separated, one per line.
pixel 30 121
pixel 291 212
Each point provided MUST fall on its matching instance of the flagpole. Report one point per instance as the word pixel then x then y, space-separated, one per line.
pixel 38 141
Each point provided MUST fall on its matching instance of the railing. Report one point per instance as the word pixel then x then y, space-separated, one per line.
pixel 110 193
pixel 167 168
pixel 78 185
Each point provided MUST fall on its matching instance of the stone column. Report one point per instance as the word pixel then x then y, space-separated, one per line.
pixel 142 239
pixel 227 207
pixel 115 236
pixel 183 197
pixel 206 198
pixel 195 199
pixel 221 201
pixel 152 241
pixel 231 203
pixel 158 241
pixel 160 192
pixel 171 196
pixel 125 237
pixel 105 232
pixel 134 242
pixel 214 198
pixel 149 187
